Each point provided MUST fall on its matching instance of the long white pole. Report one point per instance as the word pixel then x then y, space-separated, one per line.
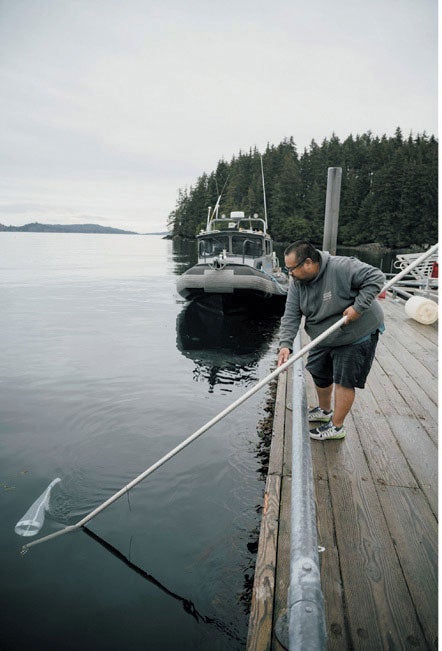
pixel 264 192
pixel 191 438
pixel 220 416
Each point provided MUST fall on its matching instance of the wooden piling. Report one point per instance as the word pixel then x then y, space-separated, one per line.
pixel 332 201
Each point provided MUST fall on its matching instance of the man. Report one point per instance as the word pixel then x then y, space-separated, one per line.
pixel 325 288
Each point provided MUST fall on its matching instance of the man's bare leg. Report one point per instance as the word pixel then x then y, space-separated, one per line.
pixel 324 397
pixel 344 398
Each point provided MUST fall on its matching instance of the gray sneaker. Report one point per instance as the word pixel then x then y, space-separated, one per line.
pixel 317 414
pixel 327 431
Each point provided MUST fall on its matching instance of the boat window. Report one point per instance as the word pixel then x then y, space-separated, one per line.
pixel 237 244
pixel 213 245
pixel 268 247
pixel 247 246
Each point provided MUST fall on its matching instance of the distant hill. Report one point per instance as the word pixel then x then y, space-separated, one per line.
pixel 36 227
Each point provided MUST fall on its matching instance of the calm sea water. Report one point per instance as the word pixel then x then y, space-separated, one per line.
pixel 103 369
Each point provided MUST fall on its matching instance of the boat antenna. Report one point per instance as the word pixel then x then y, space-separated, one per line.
pixel 215 210
pixel 264 192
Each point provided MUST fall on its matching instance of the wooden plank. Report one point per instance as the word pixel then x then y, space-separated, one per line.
pixel 396 310
pixel 421 453
pixel 385 458
pixel 414 531
pixel 277 444
pixel 411 432
pixel 331 579
pixel 413 330
pixel 429 332
pixel 283 558
pixel 289 394
pixel 416 436
pixel 427 358
pixel 403 343
pixel 380 612
pixel 319 460
pixel 287 457
pixel 412 366
pixel 283 552
pixel 261 613
pixel 410 333
pixel 408 395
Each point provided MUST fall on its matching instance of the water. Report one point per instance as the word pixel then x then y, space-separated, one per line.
pixel 103 369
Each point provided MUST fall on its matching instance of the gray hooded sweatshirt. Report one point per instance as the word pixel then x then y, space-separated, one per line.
pixel 341 282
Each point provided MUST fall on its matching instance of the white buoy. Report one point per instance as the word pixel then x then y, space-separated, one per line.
pixel 422 309
pixel 33 520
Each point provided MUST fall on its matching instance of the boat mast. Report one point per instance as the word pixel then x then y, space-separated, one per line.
pixel 264 192
pixel 215 210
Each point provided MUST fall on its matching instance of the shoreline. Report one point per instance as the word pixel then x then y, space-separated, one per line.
pixel 370 247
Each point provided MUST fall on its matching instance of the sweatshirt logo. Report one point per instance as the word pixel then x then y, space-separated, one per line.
pixel 327 296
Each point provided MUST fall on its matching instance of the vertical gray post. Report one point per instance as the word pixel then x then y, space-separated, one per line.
pixel 334 177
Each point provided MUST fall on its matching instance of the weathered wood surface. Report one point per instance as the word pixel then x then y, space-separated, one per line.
pixel 376 495
pixel 263 597
pixel 282 559
pixel 381 486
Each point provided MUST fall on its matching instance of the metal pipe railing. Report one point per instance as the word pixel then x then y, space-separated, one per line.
pixel 306 614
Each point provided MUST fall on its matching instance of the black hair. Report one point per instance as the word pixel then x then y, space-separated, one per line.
pixel 303 249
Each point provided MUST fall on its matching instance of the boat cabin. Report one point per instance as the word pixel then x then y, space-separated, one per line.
pixel 236 240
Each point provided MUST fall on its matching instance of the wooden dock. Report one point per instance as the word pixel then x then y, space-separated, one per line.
pixel 376 501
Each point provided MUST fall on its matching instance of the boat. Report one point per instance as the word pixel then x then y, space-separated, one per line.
pixel 237 267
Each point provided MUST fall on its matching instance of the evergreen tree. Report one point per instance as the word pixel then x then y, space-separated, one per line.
pixel 388 193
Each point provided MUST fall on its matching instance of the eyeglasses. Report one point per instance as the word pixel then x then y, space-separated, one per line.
pixel 290 269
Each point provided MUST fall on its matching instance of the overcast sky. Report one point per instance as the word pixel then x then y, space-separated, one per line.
pixel 109 106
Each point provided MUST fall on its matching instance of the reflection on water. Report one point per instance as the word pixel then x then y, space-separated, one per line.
pixel 225 348
pixel 187 604
pixel 184 255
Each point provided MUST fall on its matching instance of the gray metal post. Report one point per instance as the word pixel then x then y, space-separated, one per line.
pixel 331 219
pixel 306 615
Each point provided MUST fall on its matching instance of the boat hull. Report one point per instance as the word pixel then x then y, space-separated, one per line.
pixel 232 287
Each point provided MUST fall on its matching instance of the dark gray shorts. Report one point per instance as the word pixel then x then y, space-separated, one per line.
pixel 344 365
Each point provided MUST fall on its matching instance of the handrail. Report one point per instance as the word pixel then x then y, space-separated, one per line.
pixel 306 614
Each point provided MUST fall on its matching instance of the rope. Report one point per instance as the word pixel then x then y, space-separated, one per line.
pixel 284 290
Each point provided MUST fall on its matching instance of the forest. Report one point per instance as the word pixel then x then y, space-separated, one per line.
pixel 389 191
